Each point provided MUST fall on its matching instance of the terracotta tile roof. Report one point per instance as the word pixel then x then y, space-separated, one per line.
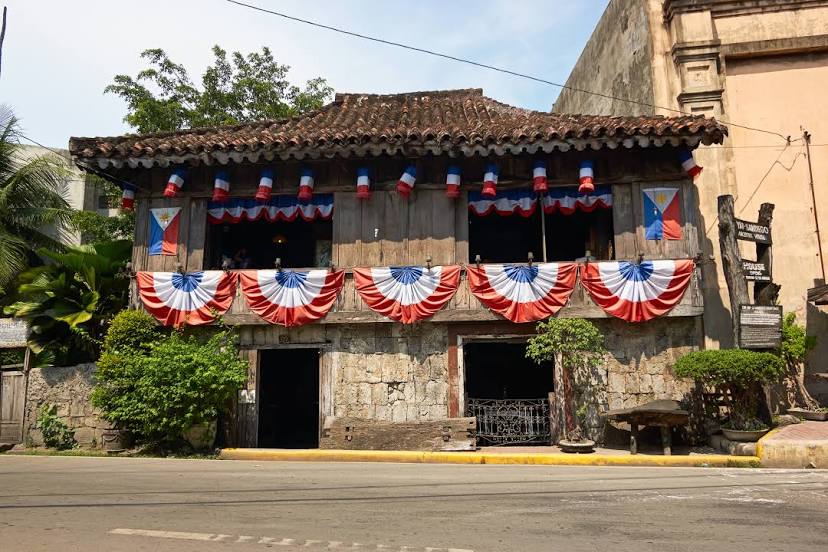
pixel 451 121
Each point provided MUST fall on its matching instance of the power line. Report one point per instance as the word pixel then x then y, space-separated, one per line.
pixel 484 65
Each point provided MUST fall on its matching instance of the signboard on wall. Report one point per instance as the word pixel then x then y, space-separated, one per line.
pixel 756 271
pixel 760 327
pixel 752 231
pixel 13 333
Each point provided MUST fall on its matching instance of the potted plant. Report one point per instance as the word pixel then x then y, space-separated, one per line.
pixel 578 346
pixel 794 349
pixel 736 374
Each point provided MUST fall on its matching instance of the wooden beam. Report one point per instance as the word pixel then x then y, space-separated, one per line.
pixel 732 261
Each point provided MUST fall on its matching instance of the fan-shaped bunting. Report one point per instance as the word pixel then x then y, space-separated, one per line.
pixel 291 298
pixel 407 294
pixel 175 299
pixel 637 292
pixel 523 293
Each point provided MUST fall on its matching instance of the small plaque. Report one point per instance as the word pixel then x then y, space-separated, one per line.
pixel 760 327
pixel 13 333
pixel 752 231
pixel 755 271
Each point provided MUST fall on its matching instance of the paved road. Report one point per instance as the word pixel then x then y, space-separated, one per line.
pixel 117 504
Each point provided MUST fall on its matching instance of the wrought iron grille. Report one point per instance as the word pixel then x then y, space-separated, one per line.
pixel 510 421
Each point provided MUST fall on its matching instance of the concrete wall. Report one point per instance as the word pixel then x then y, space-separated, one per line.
pixel 68 388
pixel 615 61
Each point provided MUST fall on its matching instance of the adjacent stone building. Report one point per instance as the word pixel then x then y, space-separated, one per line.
pixel 359 361
pixel 756 64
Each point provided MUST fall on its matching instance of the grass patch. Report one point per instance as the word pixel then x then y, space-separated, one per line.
pixel 103 454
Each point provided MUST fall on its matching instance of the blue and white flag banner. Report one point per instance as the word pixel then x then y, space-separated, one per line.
pixel 524 201
pixel 280 207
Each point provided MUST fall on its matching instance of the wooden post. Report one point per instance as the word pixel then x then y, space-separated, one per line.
pixel 633 438
pixel 666 440
pixel 732 261
pixel 765 293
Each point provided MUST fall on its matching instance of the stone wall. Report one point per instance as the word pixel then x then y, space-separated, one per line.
pixel 617 61
pixel 392 373
pixel 68 388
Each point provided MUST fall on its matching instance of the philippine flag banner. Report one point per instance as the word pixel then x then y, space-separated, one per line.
pixel 637 292
pixel 291 298
pixel 176 299
pixel 522 293
pixel 164 230
pixel 661 214
pixel 407 294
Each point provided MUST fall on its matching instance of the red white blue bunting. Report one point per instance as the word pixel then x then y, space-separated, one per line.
pixel 586 177
pixel 363 184
pixel 407 180
pixel 524 202
pixel 176 299
pixel 407 294
pixel 128 197
pixel 265 189
pixel 522 293
pixel 291 298
pixel 566 200
pixel 306 185
pixel 539 181
pixel 490 180
pixel 175 182
pixel 453 182
pixel 221 186
pixel 279 207
pixel 637 292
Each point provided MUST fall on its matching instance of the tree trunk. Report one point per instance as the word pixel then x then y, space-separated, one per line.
pixel 732 261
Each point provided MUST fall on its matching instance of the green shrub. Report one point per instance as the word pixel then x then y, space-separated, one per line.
pixel 160 389
pixel 737 373
pixel 55 433
pixel 131 330
pixel 795 342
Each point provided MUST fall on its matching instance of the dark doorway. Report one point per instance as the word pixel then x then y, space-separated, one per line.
pixel 507 393
pixel 289 398
pixel 500 370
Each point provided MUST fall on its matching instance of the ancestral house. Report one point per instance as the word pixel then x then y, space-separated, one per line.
pixel 386 257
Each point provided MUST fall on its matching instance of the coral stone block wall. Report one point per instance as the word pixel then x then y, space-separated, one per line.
pixel 68 388
pixel 391 373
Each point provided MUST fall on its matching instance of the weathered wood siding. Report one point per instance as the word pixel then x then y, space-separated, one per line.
pixel 388 230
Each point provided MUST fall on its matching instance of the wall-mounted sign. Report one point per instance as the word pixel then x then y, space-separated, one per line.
pixel 13 333
pixel 751 231
pixel 760 327
pixel 755 271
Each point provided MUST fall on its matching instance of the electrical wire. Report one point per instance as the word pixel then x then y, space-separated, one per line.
pixel 485 65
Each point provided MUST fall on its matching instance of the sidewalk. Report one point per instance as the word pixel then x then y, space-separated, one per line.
pixel 547 456
pixel 803 445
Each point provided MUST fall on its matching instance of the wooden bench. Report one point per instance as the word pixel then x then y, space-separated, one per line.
pixel 663 414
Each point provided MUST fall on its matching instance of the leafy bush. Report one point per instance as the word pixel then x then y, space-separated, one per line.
pixel 131 330
pixel 55 433
pixel 736 373
pixel 159 388
pixel 795 342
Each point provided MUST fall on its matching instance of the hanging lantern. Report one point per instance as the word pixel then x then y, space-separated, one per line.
pixel 306 185
pixel 453 182
pixel 587 178
pixel 175 182
pixel 539 181
pixel 128 197
pixel 688 163
pixel 265 189
pixel 490 180
pixel 363 183
pixel 221 187
pixel 406 182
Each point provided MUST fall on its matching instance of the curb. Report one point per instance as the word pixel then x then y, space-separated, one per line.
pixel 538 459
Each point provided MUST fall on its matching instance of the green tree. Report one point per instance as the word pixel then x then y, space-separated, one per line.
pixel 70 301
pixel 162 97
pixel 579 345
pixel 32 199
pixel 95 227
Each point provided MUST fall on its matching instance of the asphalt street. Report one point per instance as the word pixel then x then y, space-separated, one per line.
pixel 117 504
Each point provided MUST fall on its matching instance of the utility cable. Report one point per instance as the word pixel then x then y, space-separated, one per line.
pixel 485 65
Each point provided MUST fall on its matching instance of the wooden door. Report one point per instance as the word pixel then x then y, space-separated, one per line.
pixel 12 388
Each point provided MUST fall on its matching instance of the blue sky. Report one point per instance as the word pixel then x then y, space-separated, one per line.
pixel 58 55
